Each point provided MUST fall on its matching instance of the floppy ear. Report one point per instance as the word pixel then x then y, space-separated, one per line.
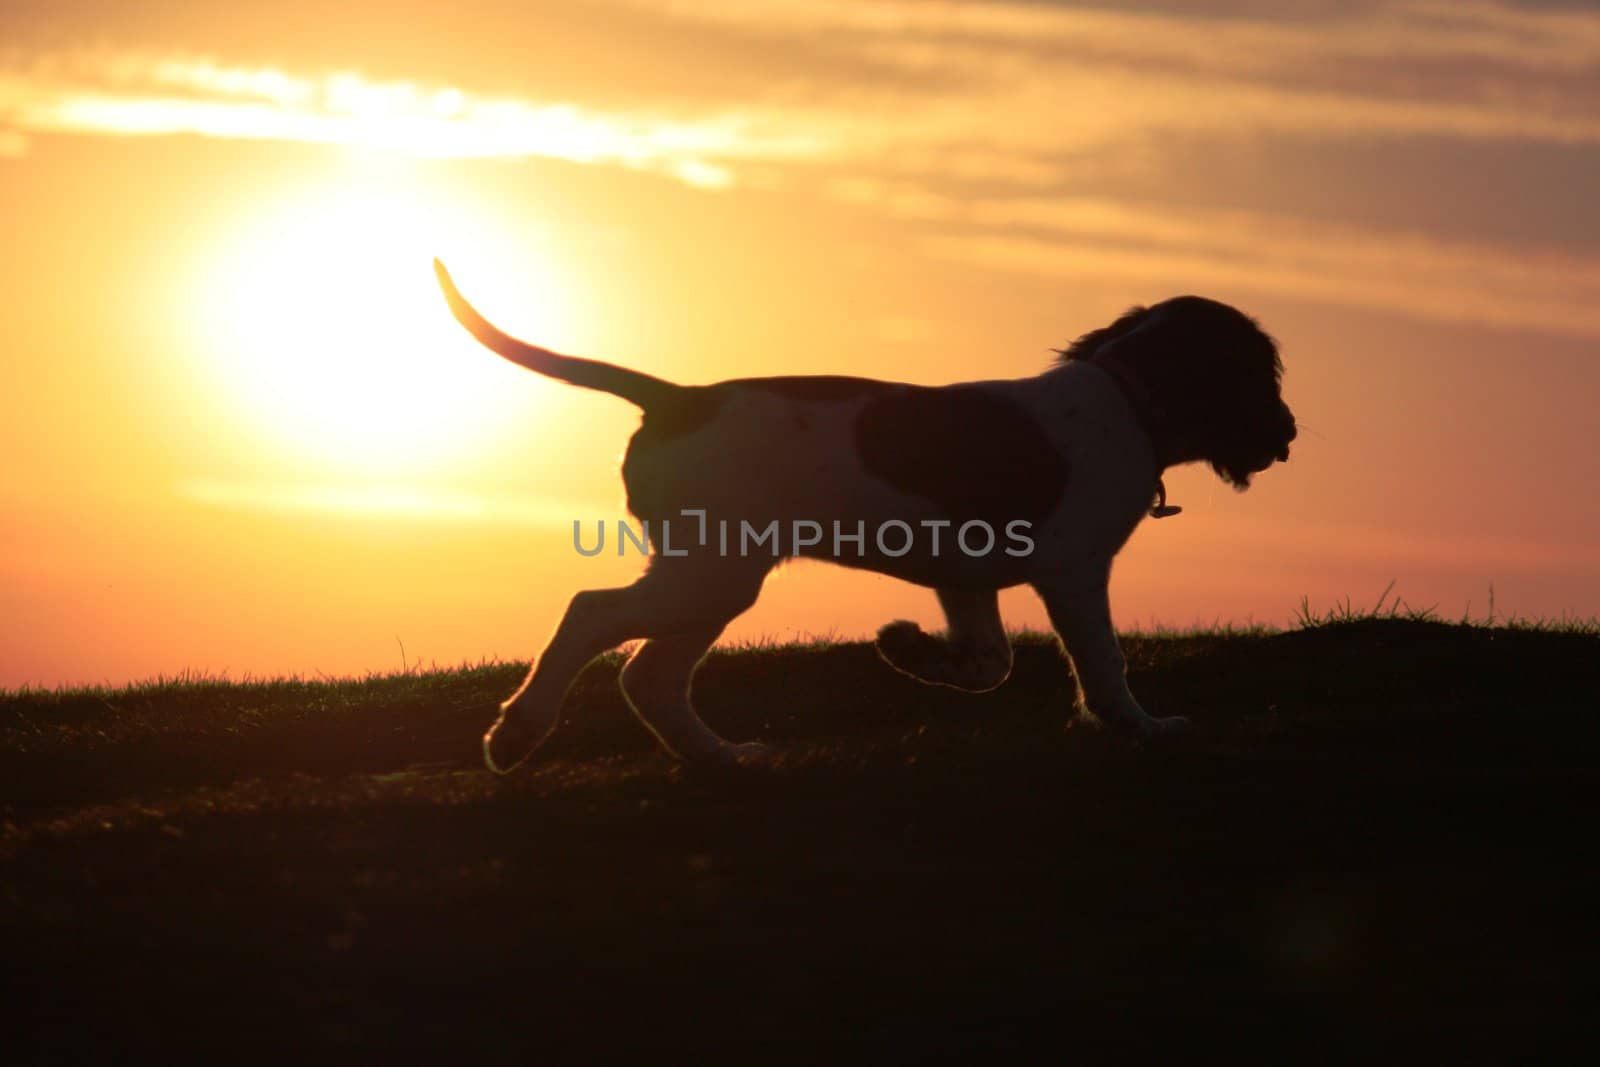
pixel 1094 340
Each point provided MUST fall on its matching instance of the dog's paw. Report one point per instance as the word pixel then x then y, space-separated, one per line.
pixel 1171 726
pixel 935 661
pixel 1127 726
pixel 753 752
pixel 903 645
pixel 509 742
pixel 747 754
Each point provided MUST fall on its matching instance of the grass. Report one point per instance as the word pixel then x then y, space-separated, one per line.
pixel 1380 830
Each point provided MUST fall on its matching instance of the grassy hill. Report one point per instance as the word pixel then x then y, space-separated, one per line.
pixel 1381 829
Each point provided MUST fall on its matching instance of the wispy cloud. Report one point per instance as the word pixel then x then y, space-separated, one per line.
pixel 979 123
pixel 1400 32
pixel 1009 88
pixel 1054 75
pixel 1409 273
pixel 130 94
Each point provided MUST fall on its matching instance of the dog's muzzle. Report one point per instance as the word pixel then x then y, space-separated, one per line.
pixel 1290 431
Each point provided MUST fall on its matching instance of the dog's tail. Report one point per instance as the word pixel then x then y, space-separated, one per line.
pixel 630 385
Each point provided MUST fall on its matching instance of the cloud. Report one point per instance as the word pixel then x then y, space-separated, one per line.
pixel 1542 41
pixel 909 84
pixel 1408 273
pixel 1005 90
pixel 1049 74
pixel 982 124
pixel 130 94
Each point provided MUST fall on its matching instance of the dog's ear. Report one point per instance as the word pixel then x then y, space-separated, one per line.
pixel 1091 342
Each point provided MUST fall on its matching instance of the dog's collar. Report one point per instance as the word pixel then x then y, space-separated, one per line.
pixel 1150 417
pixel 1131 384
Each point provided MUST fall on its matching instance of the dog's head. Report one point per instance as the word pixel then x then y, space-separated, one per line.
pixel 1211 382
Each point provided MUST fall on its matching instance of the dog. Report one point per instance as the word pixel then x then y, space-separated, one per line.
pixel 910 481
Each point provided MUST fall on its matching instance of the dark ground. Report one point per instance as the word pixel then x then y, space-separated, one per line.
pixel 1380 838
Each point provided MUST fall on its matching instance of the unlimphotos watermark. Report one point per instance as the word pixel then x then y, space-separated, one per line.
pixel 893 538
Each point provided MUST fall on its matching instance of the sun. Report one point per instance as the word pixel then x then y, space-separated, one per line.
pixel 322 328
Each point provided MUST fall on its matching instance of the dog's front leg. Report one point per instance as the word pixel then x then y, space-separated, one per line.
pixel 1081 615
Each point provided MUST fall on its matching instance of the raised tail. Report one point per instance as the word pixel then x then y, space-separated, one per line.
pixel 630 385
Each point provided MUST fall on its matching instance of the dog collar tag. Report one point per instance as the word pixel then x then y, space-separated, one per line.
pixel 1161 509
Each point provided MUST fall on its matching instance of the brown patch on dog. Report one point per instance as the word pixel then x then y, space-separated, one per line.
pixel 973 453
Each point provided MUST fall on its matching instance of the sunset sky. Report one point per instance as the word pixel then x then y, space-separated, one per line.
pixel 243 435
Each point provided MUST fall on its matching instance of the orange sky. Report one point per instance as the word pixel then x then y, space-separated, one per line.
pixel 243 435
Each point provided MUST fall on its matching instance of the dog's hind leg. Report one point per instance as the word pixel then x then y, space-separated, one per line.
pixel 677 595
pixel 975 655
